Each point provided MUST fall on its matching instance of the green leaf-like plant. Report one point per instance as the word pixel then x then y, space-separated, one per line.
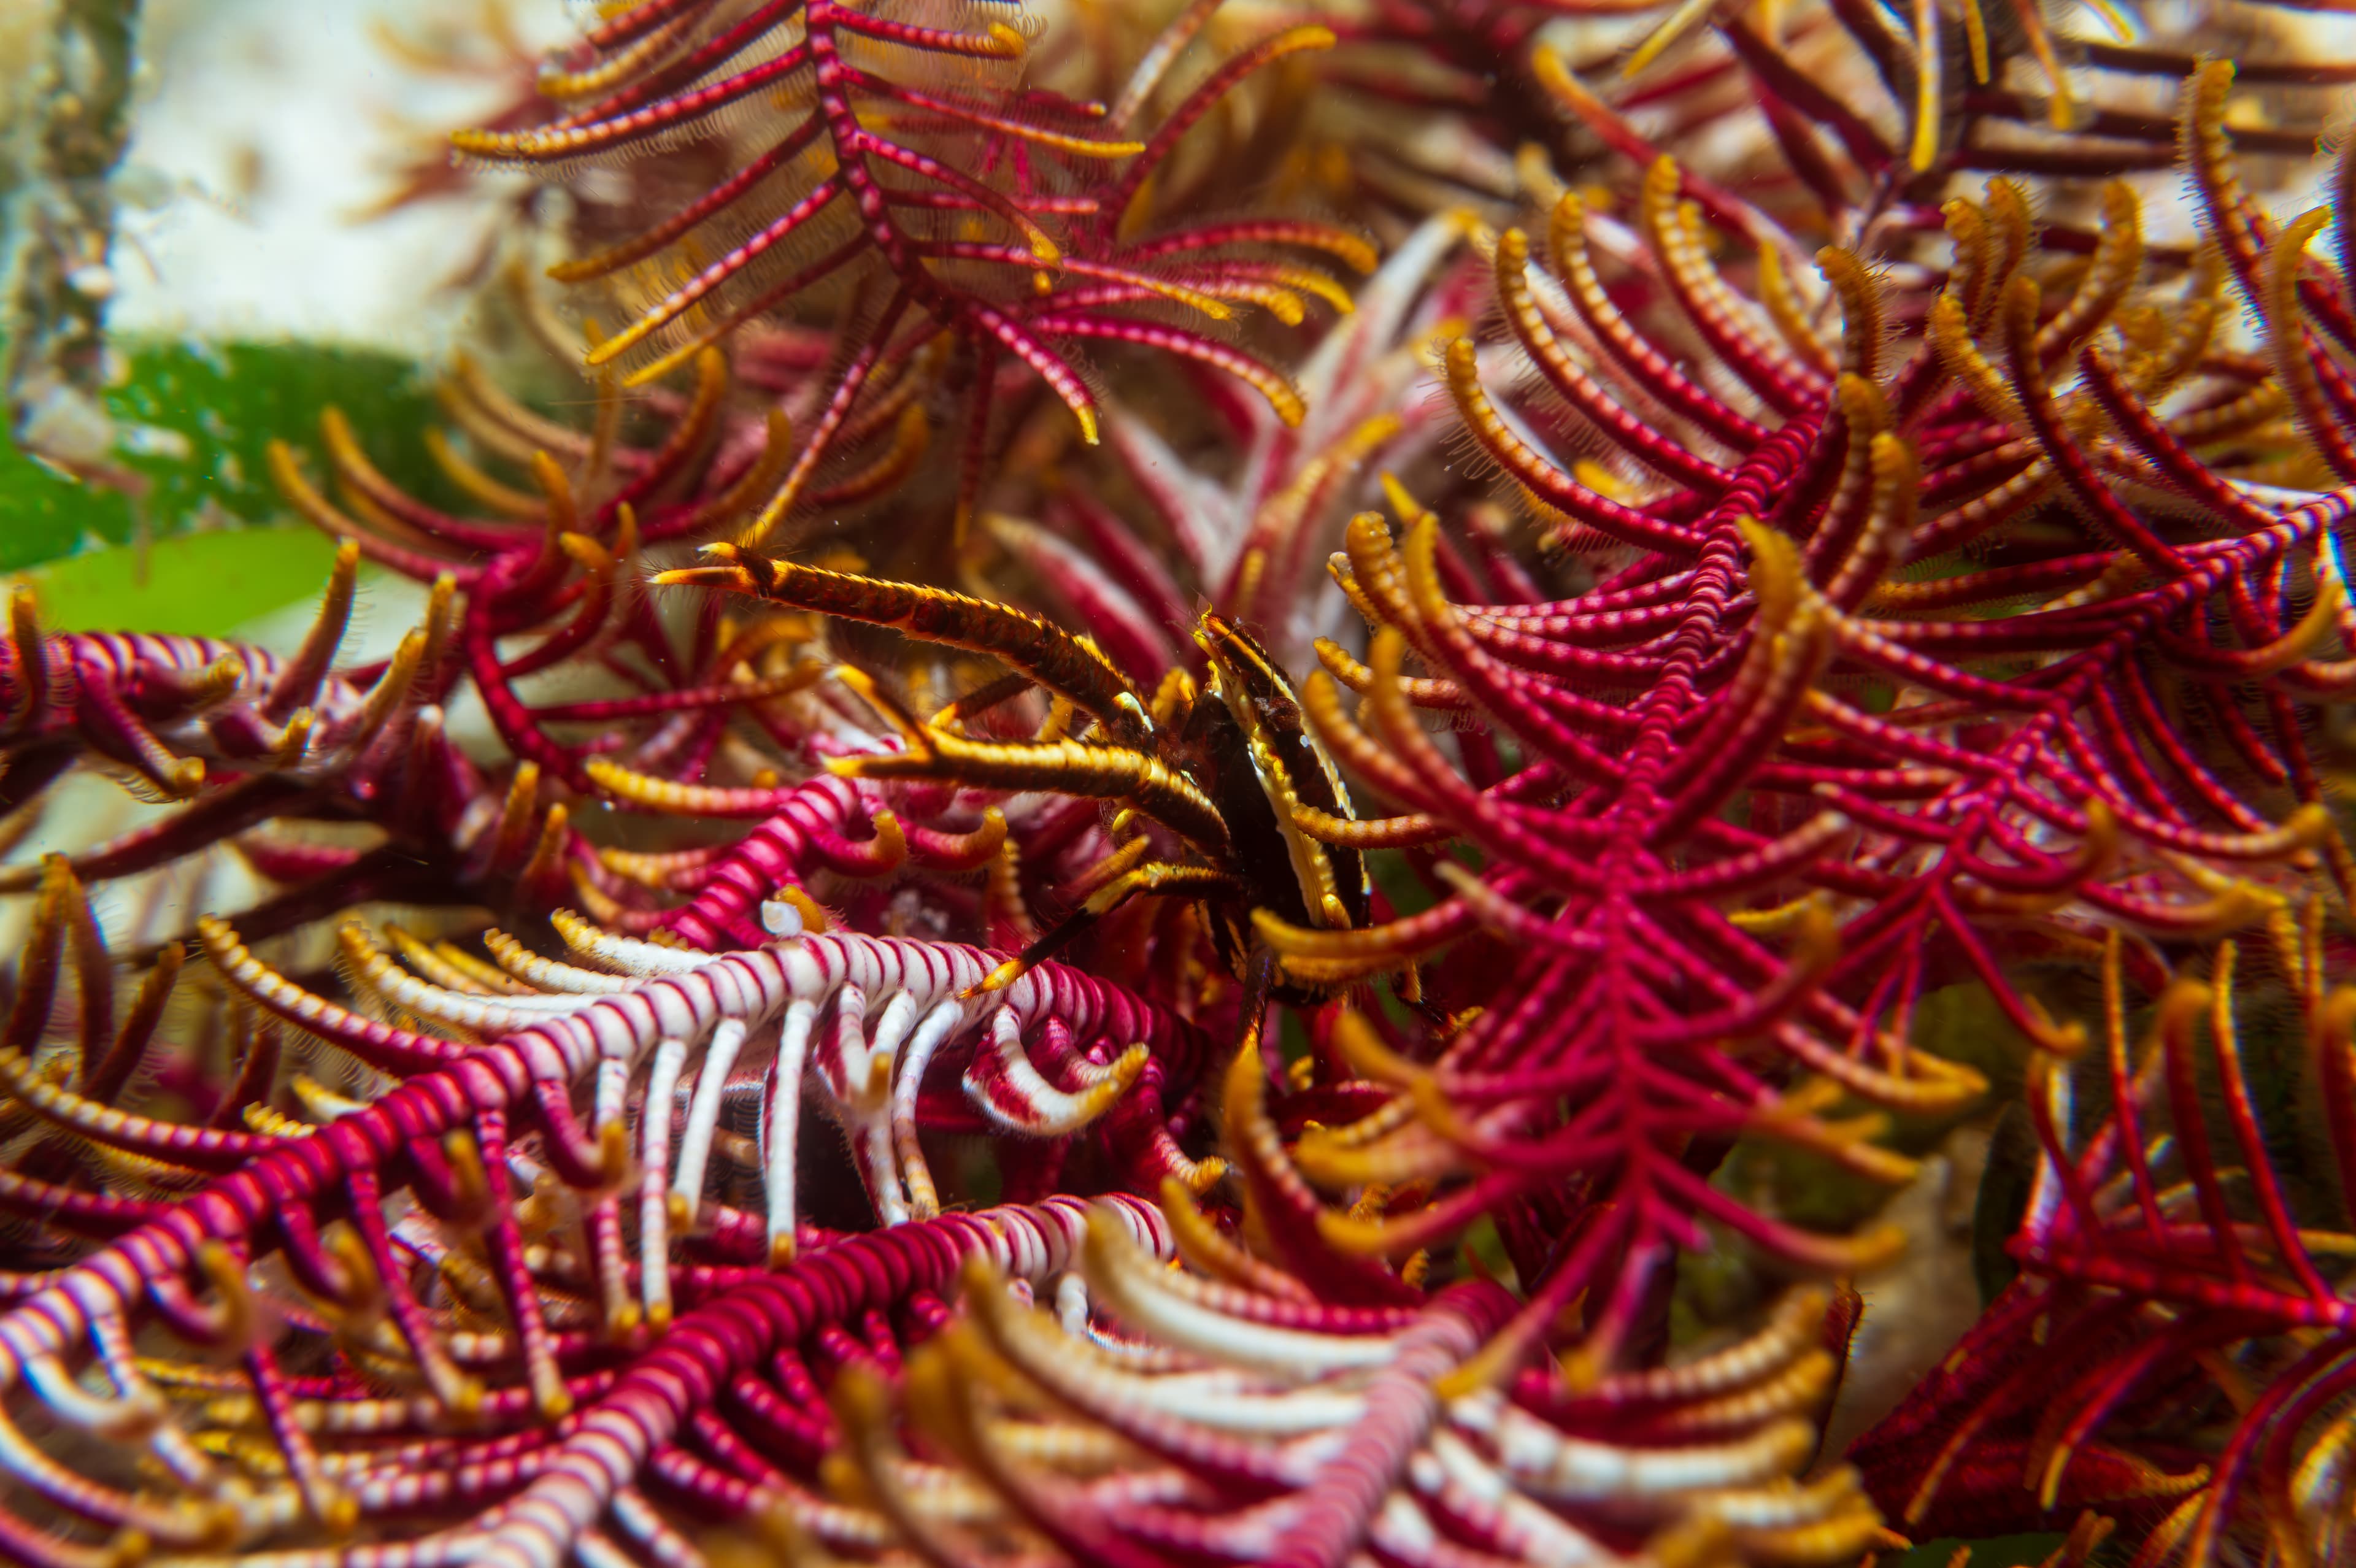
pixel 193 420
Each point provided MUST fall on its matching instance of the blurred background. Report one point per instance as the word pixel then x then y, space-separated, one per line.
pixel 284 208
pixel 268 139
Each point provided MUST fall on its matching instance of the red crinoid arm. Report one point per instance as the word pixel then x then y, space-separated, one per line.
pixel 2017 314
pixel 648 242
pixel 1643 363
pixel 1546 483
pixel 633 22
pixel 1722 320
pixel 1145 285
pixel 605 131
pixel 610 709
pixel 814 451
pixel 589 619
pixel 2320 391
pixel 1044 248
pixel 1722 206
pixel 1351 250
pixel 2290 1249
pixel 1291 41
pixel 1018 339
pixel 1282 396
pixel 974 450
pixel 975 116
pixel 1579 389
pixel 999 41
pixel 2188 764
pixel 1821 105
pixel 768 299
pixel 685 297
pixel 306 499
pixel 353 470
pixel 636 39
pixel 1118 550
pixel 685 69
pixel 950 201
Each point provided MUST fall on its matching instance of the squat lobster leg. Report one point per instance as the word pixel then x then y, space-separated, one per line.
pixel 1160 878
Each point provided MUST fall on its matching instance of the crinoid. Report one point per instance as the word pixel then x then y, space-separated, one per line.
pixel 2183 1276
pixel 1779 596
pixel 1403 1428
pixel 892 157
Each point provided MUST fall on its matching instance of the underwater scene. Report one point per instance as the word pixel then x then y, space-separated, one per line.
pixel 1168 783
